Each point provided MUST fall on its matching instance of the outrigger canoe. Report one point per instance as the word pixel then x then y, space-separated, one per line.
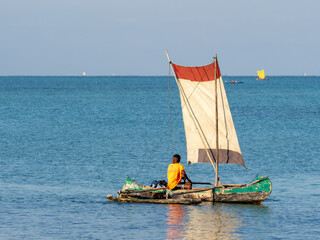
pixel 255 192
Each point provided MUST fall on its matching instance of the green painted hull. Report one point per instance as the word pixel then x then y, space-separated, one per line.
pixel 255 192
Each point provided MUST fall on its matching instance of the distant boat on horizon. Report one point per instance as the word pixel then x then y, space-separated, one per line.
pixel 261 75
pixel 233 82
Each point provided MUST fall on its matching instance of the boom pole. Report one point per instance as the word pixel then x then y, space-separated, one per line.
pixel 217 127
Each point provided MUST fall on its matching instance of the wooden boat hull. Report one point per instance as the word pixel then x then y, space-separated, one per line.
pixel 255 192
pixel 250 197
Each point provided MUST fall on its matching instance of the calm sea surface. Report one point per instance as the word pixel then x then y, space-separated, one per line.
pixel 67 142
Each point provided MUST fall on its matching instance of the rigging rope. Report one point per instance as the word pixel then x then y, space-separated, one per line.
pixel 164 133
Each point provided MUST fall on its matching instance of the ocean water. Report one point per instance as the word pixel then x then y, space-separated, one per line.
pixel 67 142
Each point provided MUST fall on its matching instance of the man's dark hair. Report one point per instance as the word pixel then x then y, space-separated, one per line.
pixel 177 157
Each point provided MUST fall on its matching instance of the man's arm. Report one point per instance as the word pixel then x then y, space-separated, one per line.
pixel 184 176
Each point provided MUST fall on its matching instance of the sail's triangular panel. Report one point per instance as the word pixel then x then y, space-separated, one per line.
pixel 197 94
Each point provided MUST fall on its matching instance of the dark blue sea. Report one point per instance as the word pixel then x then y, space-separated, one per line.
pixel 67 142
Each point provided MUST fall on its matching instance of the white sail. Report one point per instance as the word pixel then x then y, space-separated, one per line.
pixel 197 93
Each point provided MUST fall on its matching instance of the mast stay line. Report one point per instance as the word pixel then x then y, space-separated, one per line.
pixel 164 133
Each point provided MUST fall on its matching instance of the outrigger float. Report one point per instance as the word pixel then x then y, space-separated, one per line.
pixel 211 138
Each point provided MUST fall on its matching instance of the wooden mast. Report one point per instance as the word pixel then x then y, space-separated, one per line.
pixel 217 127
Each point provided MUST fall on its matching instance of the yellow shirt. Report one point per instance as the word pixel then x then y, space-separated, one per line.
pixel 174 174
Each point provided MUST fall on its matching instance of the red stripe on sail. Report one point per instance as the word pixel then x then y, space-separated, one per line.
pixel 197 74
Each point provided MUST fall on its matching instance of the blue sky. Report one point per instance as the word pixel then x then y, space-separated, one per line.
pixel 102 37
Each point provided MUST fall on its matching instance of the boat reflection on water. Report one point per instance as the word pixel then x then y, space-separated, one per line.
pixel 207 221
pixel 176 221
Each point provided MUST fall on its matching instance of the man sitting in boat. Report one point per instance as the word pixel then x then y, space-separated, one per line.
pixel 176 173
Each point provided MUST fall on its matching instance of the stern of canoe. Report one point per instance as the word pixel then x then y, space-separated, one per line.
pixel 129 184
pixel 131 189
